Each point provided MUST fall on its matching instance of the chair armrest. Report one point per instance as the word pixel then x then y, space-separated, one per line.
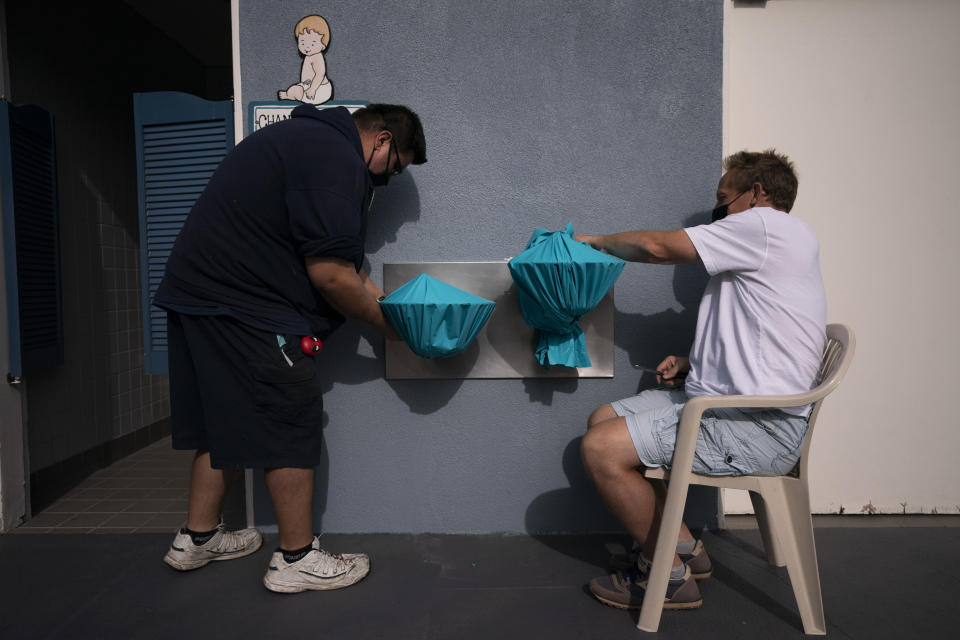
pixel 714 402
pixel 693 409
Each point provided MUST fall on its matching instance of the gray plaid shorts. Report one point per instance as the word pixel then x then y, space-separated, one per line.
pixel 731 442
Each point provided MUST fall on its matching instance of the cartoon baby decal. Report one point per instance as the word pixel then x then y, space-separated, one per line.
pixel 313 37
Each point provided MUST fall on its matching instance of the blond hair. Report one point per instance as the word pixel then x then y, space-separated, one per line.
pixel 317 24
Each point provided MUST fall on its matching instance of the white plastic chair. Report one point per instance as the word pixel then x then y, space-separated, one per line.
pixel 781 503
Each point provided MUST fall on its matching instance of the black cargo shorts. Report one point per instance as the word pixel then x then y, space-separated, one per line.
pixel 239 393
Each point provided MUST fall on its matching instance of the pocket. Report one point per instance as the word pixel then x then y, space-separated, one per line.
pixel 709 458
pixel 720 450
pixel 283 392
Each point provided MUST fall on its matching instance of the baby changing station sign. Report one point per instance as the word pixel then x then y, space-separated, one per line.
pixel 312 35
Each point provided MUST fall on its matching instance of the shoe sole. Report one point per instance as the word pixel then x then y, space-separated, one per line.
pixel 180 565
pixel 279 587
pixel 636 607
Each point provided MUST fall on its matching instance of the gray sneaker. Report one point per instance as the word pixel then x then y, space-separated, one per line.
pixel 184 555
pixel 626 588
pixel 699 562
pixel 319 570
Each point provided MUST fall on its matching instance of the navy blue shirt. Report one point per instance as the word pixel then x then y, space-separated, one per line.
pixel 295 189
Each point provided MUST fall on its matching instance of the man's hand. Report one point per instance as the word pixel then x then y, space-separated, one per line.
pixel 378 294
pixel 673 370
pixel 594 241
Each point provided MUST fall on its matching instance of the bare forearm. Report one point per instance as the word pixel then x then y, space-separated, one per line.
pixel 370 285
pixel 657 247
pixel 348 292
pixel 352 299
pixel 627 245
pixel 377 294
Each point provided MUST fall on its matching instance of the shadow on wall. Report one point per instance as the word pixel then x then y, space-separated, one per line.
pixel 555 511
pixel 352 368
pixel 542 389
pixel 648 339
pixel 392 207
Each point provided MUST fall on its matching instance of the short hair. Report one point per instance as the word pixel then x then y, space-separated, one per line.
pixel 316 24
pixel 400 121
pixel 773 170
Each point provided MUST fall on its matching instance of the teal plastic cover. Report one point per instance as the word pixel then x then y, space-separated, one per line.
pixel 559 280
pixel 436 319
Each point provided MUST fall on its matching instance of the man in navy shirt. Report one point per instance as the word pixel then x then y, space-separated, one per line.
pixel 272 252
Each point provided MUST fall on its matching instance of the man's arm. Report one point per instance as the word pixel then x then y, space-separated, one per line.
pixel 370 285
pixel 656 247
pixel 352 294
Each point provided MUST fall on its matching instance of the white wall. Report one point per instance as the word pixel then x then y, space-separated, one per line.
pixel 865 98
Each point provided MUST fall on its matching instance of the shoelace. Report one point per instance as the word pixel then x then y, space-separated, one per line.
pixel 226 540
pixel 330 563
pixel 631 575
pixel 639 576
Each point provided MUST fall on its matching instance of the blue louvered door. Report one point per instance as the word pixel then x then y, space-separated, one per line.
pixel 180 141
pixel 31 237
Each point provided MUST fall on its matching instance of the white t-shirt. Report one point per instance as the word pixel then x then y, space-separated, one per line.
pixel 762 320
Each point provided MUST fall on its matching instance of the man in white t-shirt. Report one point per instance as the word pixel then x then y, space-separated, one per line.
pixel 760 331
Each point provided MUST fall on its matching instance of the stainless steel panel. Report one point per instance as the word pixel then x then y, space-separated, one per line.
pixel 504 348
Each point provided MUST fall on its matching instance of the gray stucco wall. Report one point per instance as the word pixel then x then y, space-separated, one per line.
pixel 536 113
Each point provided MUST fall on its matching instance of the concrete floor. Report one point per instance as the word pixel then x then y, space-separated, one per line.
pixel 882 577
pixel 878 582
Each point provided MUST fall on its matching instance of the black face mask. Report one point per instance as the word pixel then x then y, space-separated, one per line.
pixel 720 212
pixel 381 179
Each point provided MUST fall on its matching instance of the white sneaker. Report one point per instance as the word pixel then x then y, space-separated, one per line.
pixel 318 570
pixel 224 545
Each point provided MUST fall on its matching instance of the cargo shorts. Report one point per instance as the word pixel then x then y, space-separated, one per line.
pixel 731 442
pixel 251 398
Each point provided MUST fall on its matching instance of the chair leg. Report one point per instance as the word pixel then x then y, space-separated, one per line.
pixel 788 505
pixel 767 532
pixel 656 591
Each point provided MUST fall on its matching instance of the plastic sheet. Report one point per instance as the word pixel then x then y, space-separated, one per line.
pixel 435 319
pixel 559 280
